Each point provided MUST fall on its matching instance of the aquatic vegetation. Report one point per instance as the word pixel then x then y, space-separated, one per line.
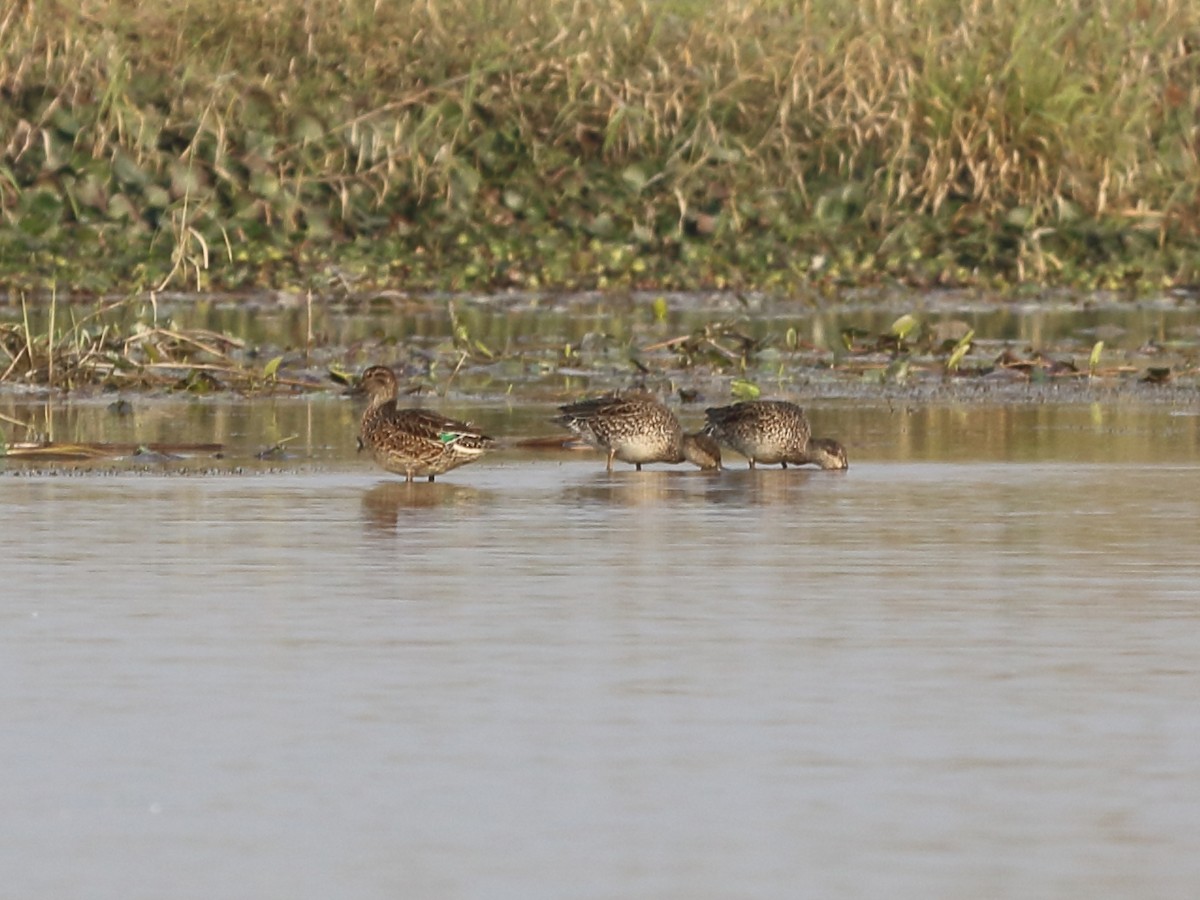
pixel 959 351
pixel 1094 358
pixel 122 344
pixel 720 344
pixel 463 145
pixel 554 347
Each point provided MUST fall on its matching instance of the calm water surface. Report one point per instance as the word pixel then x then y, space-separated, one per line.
pixel 966 667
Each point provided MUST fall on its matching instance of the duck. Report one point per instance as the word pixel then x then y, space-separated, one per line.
pixel 770 432
pixel 415 443
pixel 636 428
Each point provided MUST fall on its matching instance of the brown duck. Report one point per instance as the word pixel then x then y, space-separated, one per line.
pixel 636 428
pixel 770 432
pixel 413 442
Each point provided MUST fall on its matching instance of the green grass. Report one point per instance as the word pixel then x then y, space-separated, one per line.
pixel 544 144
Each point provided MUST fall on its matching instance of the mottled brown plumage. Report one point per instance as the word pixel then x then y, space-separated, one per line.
pixel 770 432
pixel 413 442
pixel 636 428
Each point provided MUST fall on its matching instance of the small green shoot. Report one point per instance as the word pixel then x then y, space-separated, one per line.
pixel 903 326
pixel 744 390
pixel 960 350
pixel 1094 359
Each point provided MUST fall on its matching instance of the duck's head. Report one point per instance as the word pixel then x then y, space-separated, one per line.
pixel 827 453
pixel 378 382
pixel 701 450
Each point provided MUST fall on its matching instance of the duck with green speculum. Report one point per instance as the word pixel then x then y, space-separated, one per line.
pixel 415 443
pixel 635 428
pixel 771 432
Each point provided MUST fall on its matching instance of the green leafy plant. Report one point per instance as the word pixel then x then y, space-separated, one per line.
pixel 626 144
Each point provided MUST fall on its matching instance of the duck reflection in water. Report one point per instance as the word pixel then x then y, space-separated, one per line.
pixel 649 488
pixel 384 504
pixel 768 487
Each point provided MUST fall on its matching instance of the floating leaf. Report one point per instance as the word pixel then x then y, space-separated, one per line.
pixel 1019 217
pixel 43 210
pixel 340 376
pixel 660 308
pixel 601 225
pixel 466 181
pixel 317 225
pixel 65 121
pixel 634 177
pixel 791 339
pixel 120 208
pixel 186 179
pixel 307 128
pixel 514 200
pixel 90 191
pixel 156 197
pixel 264 184
pixel 127 171
pixel 271 369
pixel 1094 359
pixel 744 390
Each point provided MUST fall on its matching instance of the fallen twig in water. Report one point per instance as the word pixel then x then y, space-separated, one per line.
pixel 64 450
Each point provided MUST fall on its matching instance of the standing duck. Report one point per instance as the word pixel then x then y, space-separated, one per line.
pixel 636 428
pixel 772 431
pixel 413 442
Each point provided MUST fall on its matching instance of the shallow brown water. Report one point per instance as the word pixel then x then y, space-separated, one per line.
pixel 318 432
pixel 966 666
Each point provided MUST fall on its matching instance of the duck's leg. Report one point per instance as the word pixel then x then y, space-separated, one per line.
pixel 639 466
pixel 431 479
pixel 611 455
pixel 752 462
pixel 408 476
pixel 784 464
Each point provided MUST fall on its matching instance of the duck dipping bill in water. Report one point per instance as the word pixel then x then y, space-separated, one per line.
pixel 770 432
pixel 636 428
pixel 413 442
